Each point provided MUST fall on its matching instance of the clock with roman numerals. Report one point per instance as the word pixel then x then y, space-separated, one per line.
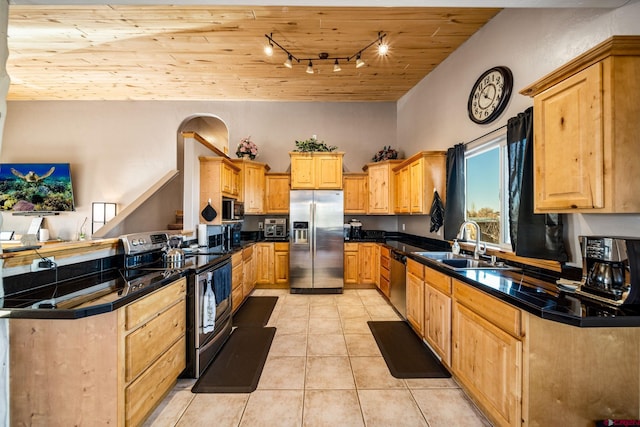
pixel 490 95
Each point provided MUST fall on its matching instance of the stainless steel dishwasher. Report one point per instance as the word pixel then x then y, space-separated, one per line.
pixel 398 284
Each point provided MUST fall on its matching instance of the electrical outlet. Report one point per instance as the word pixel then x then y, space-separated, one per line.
pixel 42 264
pixel 402 227
pixel 260 225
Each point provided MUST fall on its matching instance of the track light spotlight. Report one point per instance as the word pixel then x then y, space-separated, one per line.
pixel 288 63
pixel 310 68
pixel 336 67
pixel 383 48
pixel 359 61
pixel 268 49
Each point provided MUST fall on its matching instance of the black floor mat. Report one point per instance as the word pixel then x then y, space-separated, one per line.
pixel 404 353
pixel 255 311
pixel 238 366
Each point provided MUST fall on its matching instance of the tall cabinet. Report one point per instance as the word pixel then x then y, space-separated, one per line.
pixel 586 131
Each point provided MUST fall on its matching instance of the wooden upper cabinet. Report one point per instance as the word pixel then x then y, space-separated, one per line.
pixel 251 185
pixel 416 178
pixel 219 177
pixel 277 193
pixel 316 170
pixel 355 193
pixel 381 186
pixel 586 131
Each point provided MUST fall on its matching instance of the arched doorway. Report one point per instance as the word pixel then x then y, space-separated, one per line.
pixel 215 131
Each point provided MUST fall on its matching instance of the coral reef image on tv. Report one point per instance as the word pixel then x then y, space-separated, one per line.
pixel 42 187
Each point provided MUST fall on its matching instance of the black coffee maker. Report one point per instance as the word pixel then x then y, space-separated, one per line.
pixel 611 268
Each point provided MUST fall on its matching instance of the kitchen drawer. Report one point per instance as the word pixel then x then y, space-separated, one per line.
pixel 385 260
pixel 415 268
pixel 502 315
pixel 281 246
pixel 438 280
pixel 385 286
pixel 146 343
pixel 144 394
pixel 236 258
pixel 350 247
pixel 247 252
pixel 236 276
pixel 153 304
pixel 384 273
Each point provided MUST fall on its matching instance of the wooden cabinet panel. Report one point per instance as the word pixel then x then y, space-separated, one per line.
pixel 497 312
pixel 264 254
pixel 437 329
pixel 150 306
pixel 488 362
pixel 251 185
pixel 328 171
pixel 438 280
pixel 316 170
pixel 355 193
pixel 585 131
pixel 281 263
pixel 150 341
pixel 350 263
pixel 148 390
pixel 381 186
pixel 277 193
pixel 415 303
pixel 248 271
pixel 402 190
pixel 570 174
pixel 367 262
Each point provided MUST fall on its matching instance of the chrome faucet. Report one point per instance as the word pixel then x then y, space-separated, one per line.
pixel 480 248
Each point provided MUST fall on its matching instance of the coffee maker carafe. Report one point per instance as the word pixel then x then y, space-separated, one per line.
pixel 356 229
pixel 610 268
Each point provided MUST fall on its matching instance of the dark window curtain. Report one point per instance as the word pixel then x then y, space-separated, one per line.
pixel 532 235
pixel 454 210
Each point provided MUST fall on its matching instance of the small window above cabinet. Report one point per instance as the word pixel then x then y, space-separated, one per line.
pixel 586 131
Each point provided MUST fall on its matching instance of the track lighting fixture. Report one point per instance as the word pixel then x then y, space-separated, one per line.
pixel 383 49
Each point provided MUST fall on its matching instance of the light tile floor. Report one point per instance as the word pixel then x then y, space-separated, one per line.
pixel 324 369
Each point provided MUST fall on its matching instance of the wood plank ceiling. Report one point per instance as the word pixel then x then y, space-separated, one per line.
pixel 216 53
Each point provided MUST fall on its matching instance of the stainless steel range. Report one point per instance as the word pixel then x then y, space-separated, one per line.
pixel 208 274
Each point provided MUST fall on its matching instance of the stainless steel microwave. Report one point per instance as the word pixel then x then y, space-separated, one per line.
pixel 232 210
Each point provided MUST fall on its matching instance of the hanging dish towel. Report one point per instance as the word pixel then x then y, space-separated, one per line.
pixel 208 307
pixel 436 212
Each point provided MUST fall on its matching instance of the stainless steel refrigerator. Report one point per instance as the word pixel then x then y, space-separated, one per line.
pixel 316 218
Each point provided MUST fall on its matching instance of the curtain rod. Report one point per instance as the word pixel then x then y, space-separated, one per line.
pixel 486 134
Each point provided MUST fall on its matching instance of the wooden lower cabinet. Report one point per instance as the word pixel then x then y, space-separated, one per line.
pixel 360 263
pixel 415 296
pixel 384 276
pixel 272 263
pixel 108 369
pixel 437 313
pixel 487 353
pixel 281 263
pixel 237 277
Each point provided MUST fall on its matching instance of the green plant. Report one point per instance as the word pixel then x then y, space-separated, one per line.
pixel 312 144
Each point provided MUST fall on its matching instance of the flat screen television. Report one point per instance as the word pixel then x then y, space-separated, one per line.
pixel 36 187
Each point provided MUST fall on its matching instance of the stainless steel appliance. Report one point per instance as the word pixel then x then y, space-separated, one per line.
pixel 316 235
pixel 275 228
pixel 232 210
pixel 398 282
pixel 610 269
pixel 208 274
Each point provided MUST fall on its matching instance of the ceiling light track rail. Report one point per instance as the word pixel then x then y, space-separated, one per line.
pixel 383 48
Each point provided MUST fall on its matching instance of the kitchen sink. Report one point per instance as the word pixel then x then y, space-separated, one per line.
pixel 462 262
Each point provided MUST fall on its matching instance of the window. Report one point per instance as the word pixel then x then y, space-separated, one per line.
pixel 486 190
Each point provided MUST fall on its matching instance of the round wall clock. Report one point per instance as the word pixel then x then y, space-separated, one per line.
pixel 490 94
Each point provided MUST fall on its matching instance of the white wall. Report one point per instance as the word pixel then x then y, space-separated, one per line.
pixel 532 43
pixel 117 150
